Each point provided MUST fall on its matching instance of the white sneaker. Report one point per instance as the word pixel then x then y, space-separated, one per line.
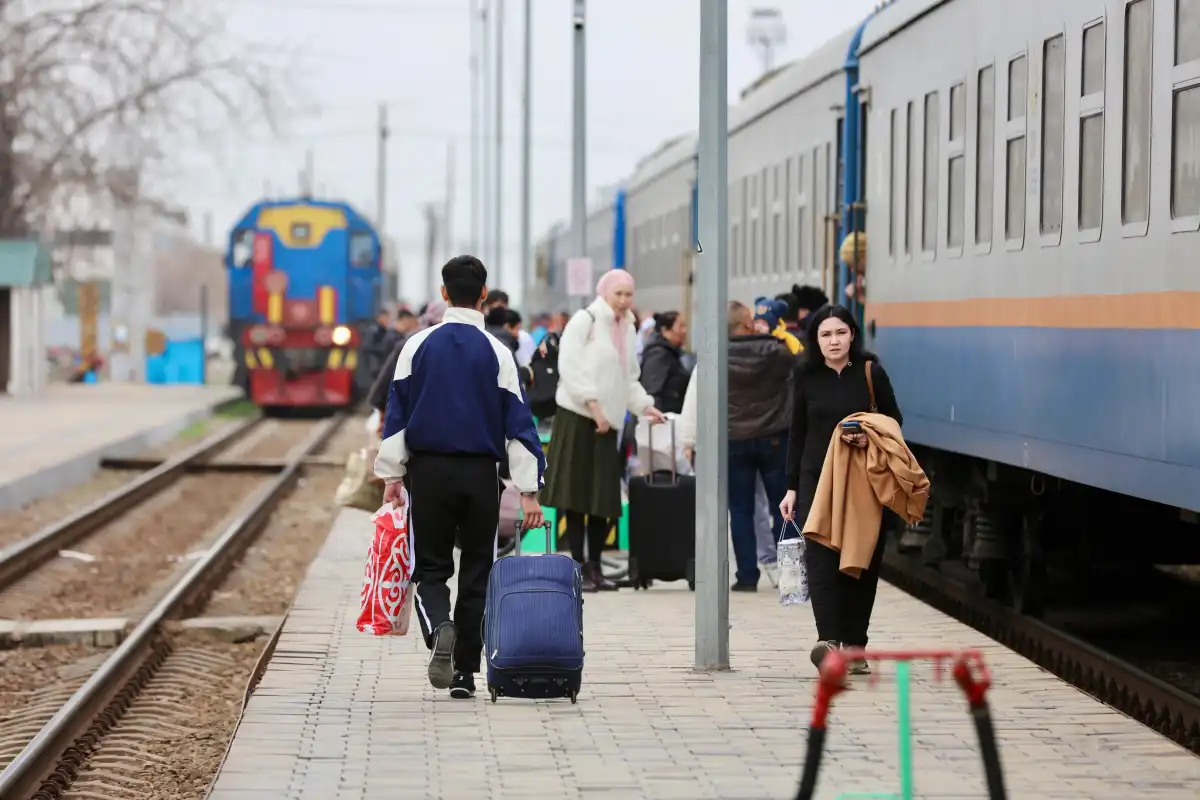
pixel 772 571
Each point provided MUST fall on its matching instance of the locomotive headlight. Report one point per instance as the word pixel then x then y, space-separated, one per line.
pixel 341 336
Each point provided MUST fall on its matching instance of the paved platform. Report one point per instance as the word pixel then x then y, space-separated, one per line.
pixel 343 715
pixel 57 440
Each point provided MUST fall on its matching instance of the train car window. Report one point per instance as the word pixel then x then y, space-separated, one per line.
pixel 1139 61
pixel 985 160
pixel 1054 104
pixel 243 248
pixel 1091 132
pixel 752 264
pixel 1018 77
pixel 801 204
pixel 910 173
pixel 956 170
pixel 1091 172
pixel 362 249
pixel 1187 31
pixel 893 209
pixel 929 182
pixel 1185 154
pixel 1014 162
pixel 1093 60
pixel 735 244
pixel 958 111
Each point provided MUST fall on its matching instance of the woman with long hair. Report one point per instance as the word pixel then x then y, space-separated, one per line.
pixel 830 386
pixel 597 384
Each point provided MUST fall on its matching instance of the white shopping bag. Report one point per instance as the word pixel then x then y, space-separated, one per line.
pixel 657 447
pixel 793 572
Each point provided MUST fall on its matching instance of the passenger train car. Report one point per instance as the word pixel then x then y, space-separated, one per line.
pixel 304 282
pixel 1028 177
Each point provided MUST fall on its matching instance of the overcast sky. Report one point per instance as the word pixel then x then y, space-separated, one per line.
pixel 642 75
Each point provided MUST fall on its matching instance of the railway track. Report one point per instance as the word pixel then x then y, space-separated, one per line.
pixel 152 658
pixel 1165 708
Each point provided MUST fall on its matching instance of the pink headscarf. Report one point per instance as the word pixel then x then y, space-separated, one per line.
pixel 609 282
pixel 433 313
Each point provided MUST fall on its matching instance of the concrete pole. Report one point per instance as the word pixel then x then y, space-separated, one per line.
pixel 498 201
pixel 712 345
pixel 525 258
pixel 485 138
pixel 579 143
pixel 474 156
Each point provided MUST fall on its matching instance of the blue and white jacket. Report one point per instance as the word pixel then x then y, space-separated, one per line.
pixel 456 390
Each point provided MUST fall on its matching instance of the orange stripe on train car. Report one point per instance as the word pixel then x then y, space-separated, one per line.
pixel 1144 310
pixel 326 299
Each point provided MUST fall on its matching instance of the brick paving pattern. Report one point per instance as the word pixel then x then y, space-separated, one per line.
pixel 343 715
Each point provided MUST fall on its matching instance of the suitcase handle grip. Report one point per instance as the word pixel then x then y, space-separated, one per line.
pixel 517 532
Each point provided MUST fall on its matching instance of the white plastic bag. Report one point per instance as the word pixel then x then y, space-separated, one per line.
pixel 793 572
pixel 657 447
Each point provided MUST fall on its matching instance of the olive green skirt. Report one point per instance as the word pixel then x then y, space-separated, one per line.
pixel 583 468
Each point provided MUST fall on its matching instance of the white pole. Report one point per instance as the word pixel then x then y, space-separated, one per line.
pixel 485 139
pixel 579 141
pixel 498 189
pixel 474 62
pixel 525 258
pixel 712 345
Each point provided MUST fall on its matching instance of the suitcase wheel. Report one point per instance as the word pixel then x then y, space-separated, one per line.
pixel 692 585
pixel 492 692
pixel 574 698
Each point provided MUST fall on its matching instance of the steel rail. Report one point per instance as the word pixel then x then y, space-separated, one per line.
pixel 19 558
pixel 50 761
pixel 1167 709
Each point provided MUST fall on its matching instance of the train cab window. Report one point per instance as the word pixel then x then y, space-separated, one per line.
pixel 985 156
pixel 1014 162
pixel 243 248
pixel 301 232
pixel 1091 133
pixel 1054 103
pixel 1139 68
pixel 362 249
pixel 1185 136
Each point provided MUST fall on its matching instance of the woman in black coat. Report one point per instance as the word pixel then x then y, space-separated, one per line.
pixel 664 376
pixel 830 386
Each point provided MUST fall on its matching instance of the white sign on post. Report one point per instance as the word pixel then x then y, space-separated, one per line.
pixel 579 277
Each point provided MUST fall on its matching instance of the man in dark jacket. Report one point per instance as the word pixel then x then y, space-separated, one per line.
pixel 760 414
pixel 378 342
pixel 502 322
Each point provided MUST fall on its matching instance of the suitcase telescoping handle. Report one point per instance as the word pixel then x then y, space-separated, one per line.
pixel 549 537
pixel 650 444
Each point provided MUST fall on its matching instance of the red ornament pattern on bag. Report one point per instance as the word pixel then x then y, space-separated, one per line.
pixel 387 592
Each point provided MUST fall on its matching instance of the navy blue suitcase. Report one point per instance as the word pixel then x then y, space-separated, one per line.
pixel 533 626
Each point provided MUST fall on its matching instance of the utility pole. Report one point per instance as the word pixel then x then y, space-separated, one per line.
pixel 498 189
pixel 448 208
pixel 474 158
pixel 309 176
pixel 579 140
pixel 525 257
pixel 484 143
pixel 381 186
pixel 712 340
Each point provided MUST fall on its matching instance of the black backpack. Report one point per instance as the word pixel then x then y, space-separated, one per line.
pixel 542 378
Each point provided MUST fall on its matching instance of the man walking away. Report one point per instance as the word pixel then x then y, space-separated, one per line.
pixel 455 411
pixel 760 408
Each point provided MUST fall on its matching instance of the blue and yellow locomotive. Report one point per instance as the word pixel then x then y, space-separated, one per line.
pixel 304 282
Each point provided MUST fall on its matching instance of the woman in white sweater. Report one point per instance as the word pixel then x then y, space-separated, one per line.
pixel 597 384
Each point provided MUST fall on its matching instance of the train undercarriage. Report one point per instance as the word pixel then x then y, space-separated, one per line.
pixel 1022 535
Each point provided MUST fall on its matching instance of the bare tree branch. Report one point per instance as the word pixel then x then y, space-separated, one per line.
pixel 93 88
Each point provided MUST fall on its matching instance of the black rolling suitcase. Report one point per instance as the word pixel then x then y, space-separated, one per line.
pixel 662 525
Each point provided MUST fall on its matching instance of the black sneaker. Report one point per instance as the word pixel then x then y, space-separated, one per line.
pixel 743 587
pixel 463 686
pixel 441 659
pixel 820 650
